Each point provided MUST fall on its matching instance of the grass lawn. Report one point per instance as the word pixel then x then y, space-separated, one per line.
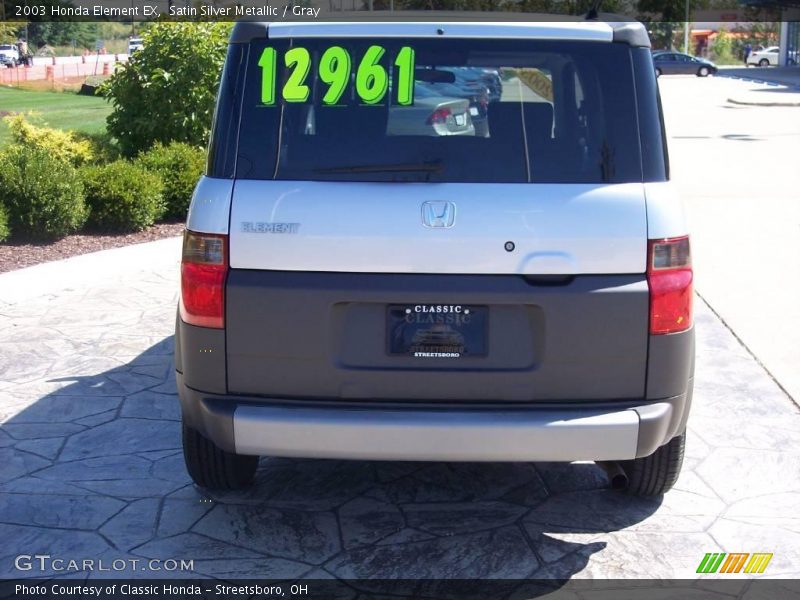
pixel 63 110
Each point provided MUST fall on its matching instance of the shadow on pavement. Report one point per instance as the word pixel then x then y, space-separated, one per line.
pixel 776 75
pixel 95 470
pixel 774 89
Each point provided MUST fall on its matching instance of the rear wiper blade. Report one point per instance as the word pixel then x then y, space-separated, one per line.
pixel 428 167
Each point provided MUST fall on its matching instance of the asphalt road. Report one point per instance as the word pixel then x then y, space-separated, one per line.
pixel 738 169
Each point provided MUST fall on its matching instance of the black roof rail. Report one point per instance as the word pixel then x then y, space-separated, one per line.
pixel 626 29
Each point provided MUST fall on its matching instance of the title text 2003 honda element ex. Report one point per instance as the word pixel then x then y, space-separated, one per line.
pixel 436 241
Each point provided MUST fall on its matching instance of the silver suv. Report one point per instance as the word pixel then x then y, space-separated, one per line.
pixel 436 240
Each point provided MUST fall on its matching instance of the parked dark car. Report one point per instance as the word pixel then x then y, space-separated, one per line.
pixel 677 63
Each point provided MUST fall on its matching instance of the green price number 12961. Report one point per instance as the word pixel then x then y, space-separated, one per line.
pixel 334 69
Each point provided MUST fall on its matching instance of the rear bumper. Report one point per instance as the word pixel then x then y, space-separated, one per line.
pixel 371 431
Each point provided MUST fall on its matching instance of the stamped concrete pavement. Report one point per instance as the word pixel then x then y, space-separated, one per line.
pixel 91 466
pixel 736 168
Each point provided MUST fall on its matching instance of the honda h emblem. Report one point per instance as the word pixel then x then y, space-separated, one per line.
pixel 438 214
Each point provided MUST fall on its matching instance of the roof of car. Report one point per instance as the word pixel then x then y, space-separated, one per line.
pixel 606 28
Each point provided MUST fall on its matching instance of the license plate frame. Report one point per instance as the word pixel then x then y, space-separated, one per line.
pixel 437 331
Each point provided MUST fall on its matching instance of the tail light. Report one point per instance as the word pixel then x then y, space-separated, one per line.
pixel 204 267
pixel 439 116
pixel 669 277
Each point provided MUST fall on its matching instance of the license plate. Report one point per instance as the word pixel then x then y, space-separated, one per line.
pixel 437 330
pixel 473 110
pixel 461 119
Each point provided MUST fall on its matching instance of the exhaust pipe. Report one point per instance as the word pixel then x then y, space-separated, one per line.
pixel 615 473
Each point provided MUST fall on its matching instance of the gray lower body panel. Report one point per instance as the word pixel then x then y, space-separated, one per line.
pixel 426 435
pixel 324 336
pixel 407 431
pixel 301 370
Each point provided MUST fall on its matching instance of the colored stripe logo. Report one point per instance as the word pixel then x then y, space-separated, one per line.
pixel 737 562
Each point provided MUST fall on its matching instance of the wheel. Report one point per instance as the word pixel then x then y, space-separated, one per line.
pixel 764 62
pixel 211 467
pixel 658 72
pixel 702 72
pixel 655 474
pixel 790 62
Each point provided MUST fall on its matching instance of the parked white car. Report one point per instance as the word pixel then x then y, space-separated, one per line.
pixel 135 44
pixel 10 54
pixel 768 57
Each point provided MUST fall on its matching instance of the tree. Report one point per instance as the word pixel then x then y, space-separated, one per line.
pixel 61 33
pixel 9 32
pixel 662 33
pixel 722 46
pixel 166 92
pixel 665 10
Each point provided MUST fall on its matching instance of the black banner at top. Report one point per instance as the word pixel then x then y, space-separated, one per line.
pixel 731 11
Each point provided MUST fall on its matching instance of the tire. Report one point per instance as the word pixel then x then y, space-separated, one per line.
pixel 703 72
pixel 658 72
pixel 790 62
pixel 211 467
pixel 764 62
pixel 655 474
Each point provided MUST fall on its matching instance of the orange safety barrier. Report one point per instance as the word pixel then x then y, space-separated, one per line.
pixel 53 73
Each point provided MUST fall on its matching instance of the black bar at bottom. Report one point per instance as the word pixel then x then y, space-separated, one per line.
pixel 79 585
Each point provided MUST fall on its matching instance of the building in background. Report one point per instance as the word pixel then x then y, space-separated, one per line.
pixel 789 43
pixel 789 16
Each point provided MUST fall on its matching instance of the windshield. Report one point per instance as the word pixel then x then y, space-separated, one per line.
pixel 439 110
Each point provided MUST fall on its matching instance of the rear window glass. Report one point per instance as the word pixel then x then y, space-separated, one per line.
pixel 439 110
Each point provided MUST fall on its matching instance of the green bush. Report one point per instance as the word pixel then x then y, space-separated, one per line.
pixel 166 92
pixel 42 194
pixel 62 145
pixel 722 47
pixel 180 166
pixel 104 148
pixel 122 196
pixel 5 232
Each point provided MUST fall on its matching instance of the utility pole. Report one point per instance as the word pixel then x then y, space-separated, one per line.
pixel 686 30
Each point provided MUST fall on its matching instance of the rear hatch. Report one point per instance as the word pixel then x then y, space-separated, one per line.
pixel 378 251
